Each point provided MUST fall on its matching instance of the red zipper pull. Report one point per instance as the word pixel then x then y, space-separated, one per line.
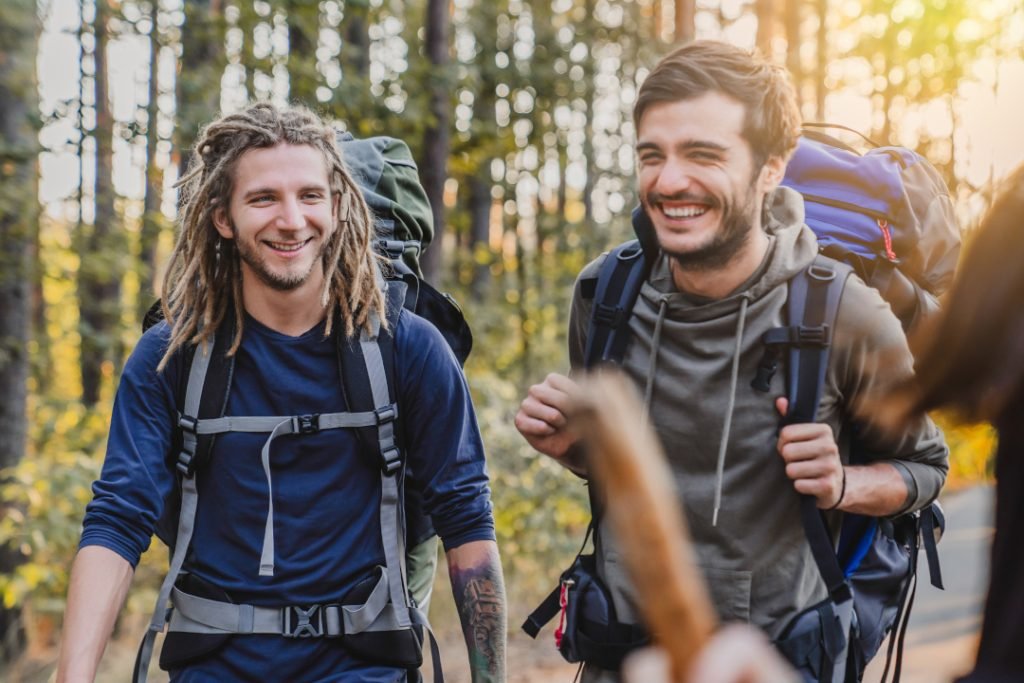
pixel 563 602
pixel 887 236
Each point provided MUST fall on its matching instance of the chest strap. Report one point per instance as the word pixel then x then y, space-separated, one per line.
pixel 282 426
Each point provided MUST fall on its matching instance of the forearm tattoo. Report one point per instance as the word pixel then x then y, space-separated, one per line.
pixel 480 597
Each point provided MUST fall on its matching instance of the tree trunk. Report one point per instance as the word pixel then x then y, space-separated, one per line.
pixel 357 37
pixel 480 230
pixel 436 138
pixel 765 10
pixel 202 65
pixel 589 74
pixel 19 215
pixel 791 20
pixel 822 66
pixel 151 217
pixel 303 34
pixel 101 264
pixel 685 21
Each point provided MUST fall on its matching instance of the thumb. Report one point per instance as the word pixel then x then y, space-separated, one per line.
pixel 782 405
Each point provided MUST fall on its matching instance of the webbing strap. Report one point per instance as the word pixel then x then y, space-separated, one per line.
pixel 296 424
pixel 618 284
pixel 392 526
pixel 365 617
pixel 813 302
pixel 194 614
pixel 186 516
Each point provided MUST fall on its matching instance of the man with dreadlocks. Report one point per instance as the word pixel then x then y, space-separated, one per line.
pixel 275 246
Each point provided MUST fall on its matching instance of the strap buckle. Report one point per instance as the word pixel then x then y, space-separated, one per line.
pixel 188 423
pixel 306 424
pixel 812 336
pixel 391 459
pixel 608 315
pixel 185 464
pixel 302 622
pixel 386 414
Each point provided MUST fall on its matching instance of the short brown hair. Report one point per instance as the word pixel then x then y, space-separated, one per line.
pixel 772 122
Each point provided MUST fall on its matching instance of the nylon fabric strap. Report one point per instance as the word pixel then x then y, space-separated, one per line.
pixel 222 425
pixel 392 528
pixel 194 614
pixel 618 285
pixel 363 617
pixel 930 550
pixel 420 619
pixel 186 516
pixel 284 426
pixel 813 301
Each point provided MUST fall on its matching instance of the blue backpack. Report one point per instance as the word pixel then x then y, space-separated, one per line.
pixel 887 213
pixel 887 216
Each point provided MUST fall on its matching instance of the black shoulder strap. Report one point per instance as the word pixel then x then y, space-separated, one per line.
pixel 813 304
pixel 615 292
pixel 618 286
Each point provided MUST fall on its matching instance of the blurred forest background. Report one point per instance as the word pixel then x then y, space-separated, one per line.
pixel 519 112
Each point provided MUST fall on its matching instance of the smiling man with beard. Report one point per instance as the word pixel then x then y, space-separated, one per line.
pixel 290 540
pixel 715 127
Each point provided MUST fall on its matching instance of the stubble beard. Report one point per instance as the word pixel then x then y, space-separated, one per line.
pixel 282 283
pixel 733 236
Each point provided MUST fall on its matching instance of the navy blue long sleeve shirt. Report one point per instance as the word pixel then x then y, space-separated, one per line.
pixel 326 493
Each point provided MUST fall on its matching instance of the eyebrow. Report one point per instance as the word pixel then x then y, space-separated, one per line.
pixel 269 190
pixel 685 146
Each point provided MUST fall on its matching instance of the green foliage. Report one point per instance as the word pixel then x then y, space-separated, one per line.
pixel 971 451
pixel 46 494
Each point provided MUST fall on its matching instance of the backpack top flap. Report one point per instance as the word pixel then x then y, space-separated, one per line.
pixel 384 169
pixel 889 203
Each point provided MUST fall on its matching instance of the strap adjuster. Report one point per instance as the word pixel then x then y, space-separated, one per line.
pixel 802 335
pixel 386 414
pixel 302 622
pixel 391 459
pixel 812 336
pixel 306 424
pixel 185 464
pixel 608 315
pixel 188 423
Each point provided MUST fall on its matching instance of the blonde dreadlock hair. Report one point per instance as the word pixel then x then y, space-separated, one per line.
pixel 203 284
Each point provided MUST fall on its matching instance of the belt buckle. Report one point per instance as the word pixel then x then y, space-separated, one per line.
pixel 302 622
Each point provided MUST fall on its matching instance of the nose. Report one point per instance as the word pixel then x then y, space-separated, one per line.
pixel 674 177
pixel 292 215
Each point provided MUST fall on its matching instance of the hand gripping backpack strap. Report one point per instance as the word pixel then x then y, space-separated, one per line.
pixel 813 304
pixel 200 397
pixel 814 296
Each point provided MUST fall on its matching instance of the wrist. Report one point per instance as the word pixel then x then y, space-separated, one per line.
pixel 842 492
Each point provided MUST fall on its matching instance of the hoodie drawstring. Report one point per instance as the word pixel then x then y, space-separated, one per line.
pixel 653 366
pixel 723 445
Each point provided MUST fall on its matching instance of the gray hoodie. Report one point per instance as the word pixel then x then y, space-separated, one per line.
pixel 755 556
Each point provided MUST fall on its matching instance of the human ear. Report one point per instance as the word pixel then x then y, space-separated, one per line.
pixel 222 222
pixel 771 173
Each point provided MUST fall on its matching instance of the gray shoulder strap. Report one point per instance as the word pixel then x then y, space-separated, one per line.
pixel 392 525
pixel 187 515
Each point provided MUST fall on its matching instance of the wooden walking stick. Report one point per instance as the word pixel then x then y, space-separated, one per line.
pixel 642 506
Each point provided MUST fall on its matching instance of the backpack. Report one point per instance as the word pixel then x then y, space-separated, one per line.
pixel 887 213
pixel 863 209
pixel 378 621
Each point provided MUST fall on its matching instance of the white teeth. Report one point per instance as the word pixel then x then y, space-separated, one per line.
pixel 286 246
pixel 683 212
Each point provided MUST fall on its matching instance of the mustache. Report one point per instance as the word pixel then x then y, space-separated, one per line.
pixel 654 198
